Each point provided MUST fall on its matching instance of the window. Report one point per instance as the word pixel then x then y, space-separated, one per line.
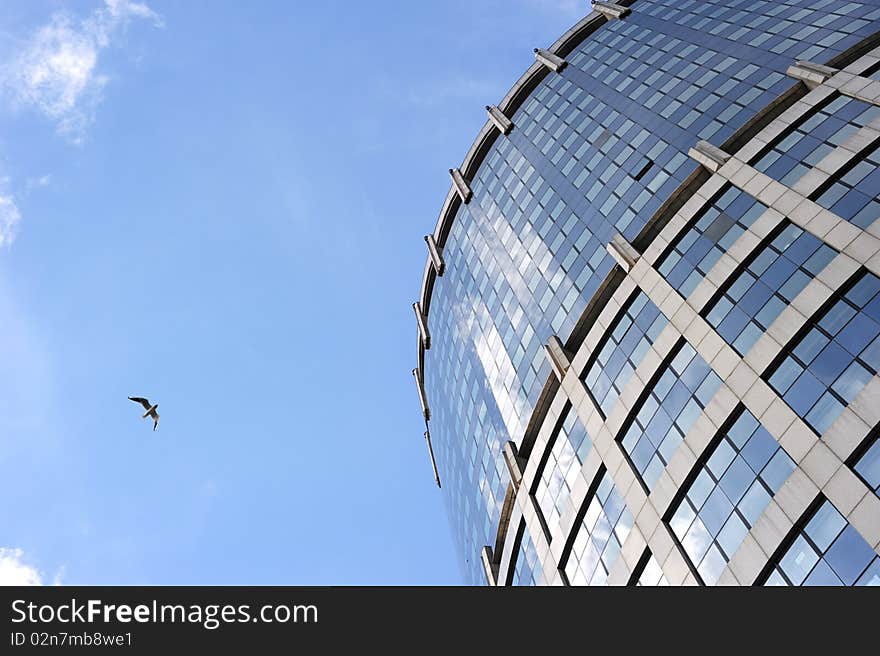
pixel 768 282
pixel 570 447
pixel 528 567
pixel 834 356
pixel 667 411
pixel 716 227
pixel 827 551
pixel 636 327
pixel 601 534
pixel 742 472
pixel 852 193
pixel 651 574
pixel 814 137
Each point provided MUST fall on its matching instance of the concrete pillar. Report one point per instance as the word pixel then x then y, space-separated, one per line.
pixel 504 124
pixel 809 73
pixel 426 411
pixel 611 10
pixel 711 157
pixel 623 252
pixel 422 322
pixel 461 187
pixel 551 61
pixel 434 252
pixel 433 460
pixel 490 567
pixel 514 463
pixel 557 356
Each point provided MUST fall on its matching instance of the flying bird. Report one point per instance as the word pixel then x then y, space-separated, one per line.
pixel 150 410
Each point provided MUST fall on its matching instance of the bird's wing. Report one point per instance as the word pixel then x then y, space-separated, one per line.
pixel 147 405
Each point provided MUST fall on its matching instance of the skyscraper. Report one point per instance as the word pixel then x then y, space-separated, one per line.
pixel 649 321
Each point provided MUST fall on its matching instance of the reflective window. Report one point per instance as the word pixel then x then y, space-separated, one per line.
pixel 740 476
pixel 814 137
pixel 828 551
pixel 796 29
pixel 597 149
pixel 682 389
pixel 714 229
pixel 868 465
pixel 570 448
pixel 770 280
pixel 853 192
pixel 628 340
pixel 652 574
pixel 528 568
pixel 835 357
pixel 600 536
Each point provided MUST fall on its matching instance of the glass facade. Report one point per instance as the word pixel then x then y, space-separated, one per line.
pixel 637 327
pixel 528 566
pixel 570 448
pixel 766 284
pixel 599 536
pixel 714 230
pixel 744 470
pixel 853 193
pixel 814 137
pixel 596 150
pixel 830 363
pixel 667 412
pixel 827 551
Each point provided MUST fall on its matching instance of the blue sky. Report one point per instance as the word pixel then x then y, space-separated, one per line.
pixel 220 206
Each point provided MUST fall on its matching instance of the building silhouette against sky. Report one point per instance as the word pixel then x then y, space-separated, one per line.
pixel 649 322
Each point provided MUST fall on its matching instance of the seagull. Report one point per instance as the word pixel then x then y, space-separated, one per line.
pixel 150 410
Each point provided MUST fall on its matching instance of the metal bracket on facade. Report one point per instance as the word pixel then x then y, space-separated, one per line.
pixel 554 62
pixel 434 252
pixel 489 565
pixel 809 73
pixel 611 10
pixel 623 252
pixel 504 124
pixel 712 157
pixel 422 322
pixel 514 463
pixel 461 187
pixel 558 357
pixel 433 461
pixel 422 398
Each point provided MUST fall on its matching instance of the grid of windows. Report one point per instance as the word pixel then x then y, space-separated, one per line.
pixel 796 29
pixel 835 357
pixel 636 327
pixel 613 165
pixel 528 567
pixel 667 412
pixel 700 89
pixel 868 466
pixel 570 447
pixel 597 149
pixel 600 536
pixel 828 551
pixel 772 277
pixel 853 195
pixel 742 473
pixel 814 137
pixel 715 228
pixel 652 574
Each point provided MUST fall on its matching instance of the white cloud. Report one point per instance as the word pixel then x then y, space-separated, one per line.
pixel 14 571
pixel 56 72
pixel 36 183
pixel 9 218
